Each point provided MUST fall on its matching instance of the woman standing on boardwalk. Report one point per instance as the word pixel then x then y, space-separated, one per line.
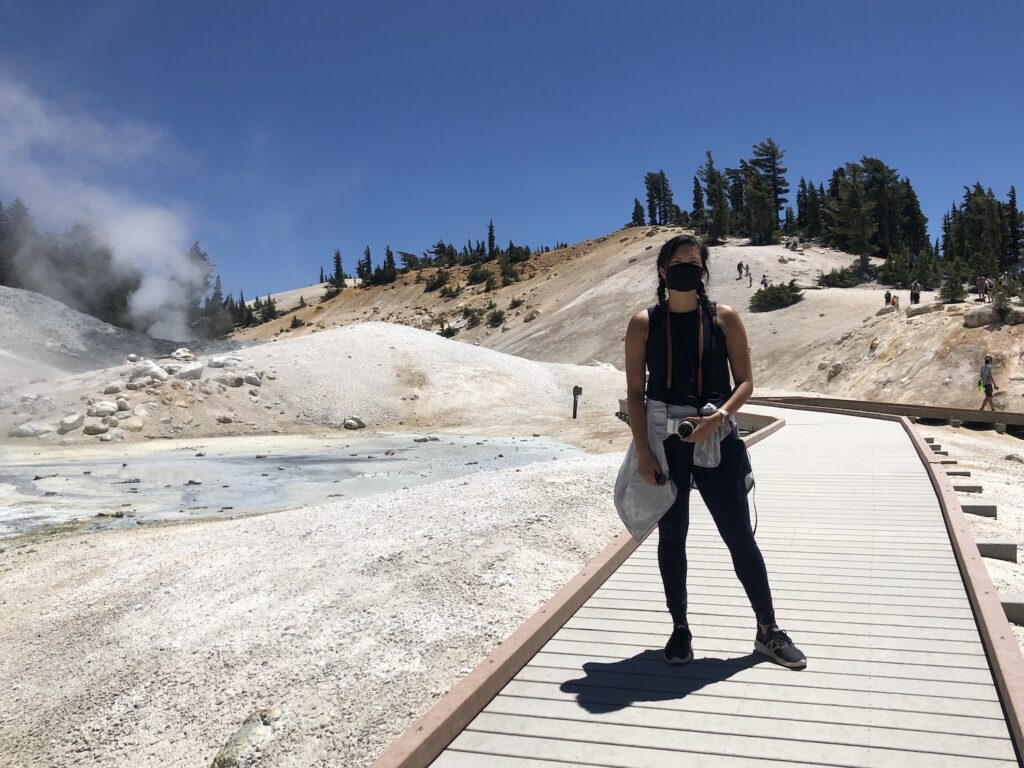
pixel 688 345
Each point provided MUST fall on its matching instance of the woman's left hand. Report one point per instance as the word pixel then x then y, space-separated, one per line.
pixel 704 427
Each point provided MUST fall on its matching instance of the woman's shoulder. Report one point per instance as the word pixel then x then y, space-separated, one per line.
pixel 726 315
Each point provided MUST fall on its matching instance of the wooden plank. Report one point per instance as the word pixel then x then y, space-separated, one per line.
pixel 569 732
pixel 452 758
pixel 701 724
pixel 867 668
pixel 599 699
pixel 680 684
pixel 759 670
pixel 706 644
pixel 796 624
pixel 708 583
pixel 847 641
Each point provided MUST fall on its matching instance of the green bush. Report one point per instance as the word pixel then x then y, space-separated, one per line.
pixel 515 303
pixel 450 291
pixel 297 322
pixel 477 274
pixel 473 315
pixel 775 297
pixel 447 330
pixel 496 318
pixel 839 278
pixel 490 284
pixel 952 289
pixel 439 279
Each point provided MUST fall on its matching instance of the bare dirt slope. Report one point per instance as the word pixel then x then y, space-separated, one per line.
pixel 583 296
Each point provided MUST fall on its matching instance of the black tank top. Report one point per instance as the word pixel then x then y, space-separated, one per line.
pixel 716 387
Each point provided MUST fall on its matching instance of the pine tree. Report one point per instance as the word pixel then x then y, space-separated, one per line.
pixel 1014 234
pixel 699 215
pixel 338 276
pixel 768 160
pixel 801 205
pixel 638 214
pixel 718 202
pixel 389 272
pixel 952 282
pixel 760 208
pixel 321 274
pixel 850 222
pixel 736 182
pixel 490 241
pixel 814 222
pixel 651 187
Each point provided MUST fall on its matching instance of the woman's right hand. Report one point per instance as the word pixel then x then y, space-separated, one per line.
pixel 648 467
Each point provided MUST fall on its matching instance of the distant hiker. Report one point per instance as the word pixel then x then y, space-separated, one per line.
pixel 896 302
pixel 989 287
pixel 915 292
pixel 689 346
pixel 764 281
pixel 888 298
pixel 980 284
pixel 987 383
pixel 739 270
pixel 750 279
pixel 1004 280
pixel 746 270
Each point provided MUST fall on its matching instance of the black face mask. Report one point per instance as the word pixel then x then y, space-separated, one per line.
pixel 684 277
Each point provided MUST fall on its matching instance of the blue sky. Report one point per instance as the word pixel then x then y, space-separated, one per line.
pixel 277 132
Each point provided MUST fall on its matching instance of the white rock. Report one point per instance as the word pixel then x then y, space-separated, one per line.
pixel 122 404
pixel 224 419
pixel 140 383
pixel 133 358
pixel 102 408
pixel 31 429
pixel 1014 316
pixel 140 411
pixel 95 428
pixel 229 379
pixel 71 423
pixel 225 361
pixel 353 422
pixel 190 371
pixel 133 424
pixel 183 353
pixel 112 388
pixel 253 379
pixel 148 368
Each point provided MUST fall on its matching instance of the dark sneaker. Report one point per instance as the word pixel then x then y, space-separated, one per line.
pixel 678 649
pixel 777 646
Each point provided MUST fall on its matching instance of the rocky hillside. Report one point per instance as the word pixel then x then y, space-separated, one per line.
pixel 576 303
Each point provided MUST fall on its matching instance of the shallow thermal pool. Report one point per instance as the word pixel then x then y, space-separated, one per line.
pixel 126 485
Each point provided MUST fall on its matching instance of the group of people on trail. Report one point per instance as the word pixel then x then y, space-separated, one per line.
pixel 985 285
pixel 743 270
pixel 891 299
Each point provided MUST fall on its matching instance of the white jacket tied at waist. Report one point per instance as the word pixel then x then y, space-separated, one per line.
pixel 641 504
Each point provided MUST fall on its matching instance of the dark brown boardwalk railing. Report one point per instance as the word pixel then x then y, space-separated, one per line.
pixel 864 577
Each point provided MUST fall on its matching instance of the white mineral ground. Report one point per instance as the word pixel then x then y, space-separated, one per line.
pixel 149 644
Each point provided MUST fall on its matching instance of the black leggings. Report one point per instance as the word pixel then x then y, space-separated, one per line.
pixel 724 492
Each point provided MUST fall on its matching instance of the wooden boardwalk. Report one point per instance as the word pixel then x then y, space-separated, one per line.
pixel 863 578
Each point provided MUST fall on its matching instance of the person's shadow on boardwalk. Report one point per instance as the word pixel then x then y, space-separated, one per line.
pixel 648 677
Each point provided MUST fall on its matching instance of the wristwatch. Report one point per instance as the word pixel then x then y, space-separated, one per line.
pixel 725 415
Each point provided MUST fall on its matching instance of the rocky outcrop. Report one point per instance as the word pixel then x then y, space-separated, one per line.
pixel 835 370
pixel 923 309
pixel 183 353
pixel 71 423
pixel 102 408
pixel 1014 316
pixel 885 310
pixel 226 361
pixel 354 422
pixel 229 379
pixel 976 317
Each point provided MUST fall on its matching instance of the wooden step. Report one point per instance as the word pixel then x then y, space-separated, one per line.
pixel 999 549
pixel 1013 605
pixel 983 510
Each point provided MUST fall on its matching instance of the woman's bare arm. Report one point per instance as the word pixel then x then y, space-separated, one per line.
pixel 636 374
pixel 739 357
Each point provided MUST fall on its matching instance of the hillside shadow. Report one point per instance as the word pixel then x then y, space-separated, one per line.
pixel 647 677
